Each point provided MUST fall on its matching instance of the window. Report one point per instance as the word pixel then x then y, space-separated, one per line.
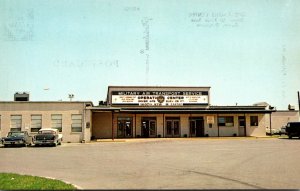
pixel 254 120
pixel 77 123
pixel 15 122
pixel 226 121
pixel 56 122
pixel 36 123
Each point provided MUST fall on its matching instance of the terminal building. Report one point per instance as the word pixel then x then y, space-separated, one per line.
pixel 137 112
pixel 145 111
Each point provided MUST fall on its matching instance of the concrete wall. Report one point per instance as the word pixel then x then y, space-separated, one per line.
pixel 259 130
pixel 46 109
pixel 281 118
pixel 101 125
pixel 87 125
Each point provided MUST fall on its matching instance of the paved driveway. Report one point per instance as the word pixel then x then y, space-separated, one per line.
pixel 200 163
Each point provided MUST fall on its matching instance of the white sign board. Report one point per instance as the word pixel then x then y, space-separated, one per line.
pixel 153 99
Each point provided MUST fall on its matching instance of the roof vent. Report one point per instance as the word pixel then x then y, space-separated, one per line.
pixel 102 102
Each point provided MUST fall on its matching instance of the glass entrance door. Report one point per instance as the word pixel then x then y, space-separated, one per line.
pixel 172 127
pixel 124 127
pixel 196 127
pixel 148 127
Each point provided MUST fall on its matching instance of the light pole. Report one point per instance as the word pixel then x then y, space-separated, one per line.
pixel 298 103
pixel 71 96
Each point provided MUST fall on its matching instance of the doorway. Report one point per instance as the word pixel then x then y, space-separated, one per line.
pixel 196 127
pixel 242 126
pixel 172 127
pixel 124 127
pixel 148 127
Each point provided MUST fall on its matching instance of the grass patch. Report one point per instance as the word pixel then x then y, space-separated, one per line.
pixel 10 181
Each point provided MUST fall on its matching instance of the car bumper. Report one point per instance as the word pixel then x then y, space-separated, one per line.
pixel 13 142
pixel 44 142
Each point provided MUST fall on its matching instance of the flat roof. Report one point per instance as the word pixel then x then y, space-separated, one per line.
pixel 287 110
pixel 159 87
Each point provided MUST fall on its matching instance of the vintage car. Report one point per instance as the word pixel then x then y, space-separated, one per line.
pixel 293 129
pixel 273 131
pixel 282 130
pixel 48 136
pixel 17 138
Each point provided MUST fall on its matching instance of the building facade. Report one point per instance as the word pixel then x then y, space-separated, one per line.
pixel 140 111
pixel 70 118
pixel 151 111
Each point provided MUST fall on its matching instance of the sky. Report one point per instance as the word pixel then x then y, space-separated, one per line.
pixel 246 51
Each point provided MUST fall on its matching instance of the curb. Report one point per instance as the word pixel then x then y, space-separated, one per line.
pixel 109 140
pixel 77 187
pixel 178 139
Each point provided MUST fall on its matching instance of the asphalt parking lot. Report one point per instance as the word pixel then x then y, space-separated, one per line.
pixel 199 163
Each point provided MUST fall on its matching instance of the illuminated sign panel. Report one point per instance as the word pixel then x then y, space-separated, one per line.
pixel 160 98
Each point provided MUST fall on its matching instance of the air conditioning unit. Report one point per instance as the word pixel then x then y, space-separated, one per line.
pixel 21 96
pixel 291 107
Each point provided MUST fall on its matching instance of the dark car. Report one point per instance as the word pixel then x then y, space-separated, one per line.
pixel 17 138
pixel 293 129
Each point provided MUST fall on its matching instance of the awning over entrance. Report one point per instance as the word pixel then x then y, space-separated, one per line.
pixel 180 110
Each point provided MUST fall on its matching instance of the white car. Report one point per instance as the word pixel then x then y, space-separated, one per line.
pixel 48 136
pixel 282 131
pixel 273 131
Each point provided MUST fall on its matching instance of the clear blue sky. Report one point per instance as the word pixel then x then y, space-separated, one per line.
pixel 247 51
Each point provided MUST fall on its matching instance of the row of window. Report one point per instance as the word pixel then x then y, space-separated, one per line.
pixel 229 122
pixel 36 122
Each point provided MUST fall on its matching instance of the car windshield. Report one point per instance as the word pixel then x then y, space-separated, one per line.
pixel 47 132
pixel 15 134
